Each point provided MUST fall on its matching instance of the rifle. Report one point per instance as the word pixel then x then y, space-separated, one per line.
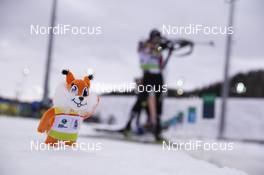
pixel 179 44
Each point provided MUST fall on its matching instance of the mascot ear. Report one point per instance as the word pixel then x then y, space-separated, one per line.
pixel 69 76
pixel 87 79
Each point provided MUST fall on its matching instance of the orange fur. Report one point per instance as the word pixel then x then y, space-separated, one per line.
pixel 69 77
pixel 46 120
pixel 81 84
pixel 87 80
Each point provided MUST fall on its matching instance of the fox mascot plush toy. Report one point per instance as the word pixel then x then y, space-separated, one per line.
pixel 72 104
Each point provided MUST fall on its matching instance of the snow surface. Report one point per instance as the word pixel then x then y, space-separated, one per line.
pixel 114 158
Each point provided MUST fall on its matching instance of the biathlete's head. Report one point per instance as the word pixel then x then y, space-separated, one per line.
pixel 155 36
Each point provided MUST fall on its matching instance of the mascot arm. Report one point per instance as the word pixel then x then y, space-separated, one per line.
pixel 46 120
pixel 89 114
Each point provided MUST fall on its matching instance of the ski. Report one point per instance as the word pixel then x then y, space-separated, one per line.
pixel 127 136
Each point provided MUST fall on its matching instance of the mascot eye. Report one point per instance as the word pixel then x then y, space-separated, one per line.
pixel 74 89
pixel 85 92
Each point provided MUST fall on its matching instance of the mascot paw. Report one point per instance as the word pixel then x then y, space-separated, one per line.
pixel 41 130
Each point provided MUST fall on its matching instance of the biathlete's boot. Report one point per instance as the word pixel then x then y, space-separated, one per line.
pixel 160 139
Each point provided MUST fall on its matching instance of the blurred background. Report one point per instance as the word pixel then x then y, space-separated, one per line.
pixel 195 82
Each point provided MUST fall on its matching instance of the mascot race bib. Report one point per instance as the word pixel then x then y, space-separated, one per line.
pixel 65 127
pixel 67 124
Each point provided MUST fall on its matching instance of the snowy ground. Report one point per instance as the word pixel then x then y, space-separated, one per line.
pixel 247 157
pixel 115 157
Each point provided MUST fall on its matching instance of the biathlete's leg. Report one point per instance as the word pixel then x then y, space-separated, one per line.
pixel 148 115
pixel 158 128
pixel 152 108
pixel 138 119
pixel 134 113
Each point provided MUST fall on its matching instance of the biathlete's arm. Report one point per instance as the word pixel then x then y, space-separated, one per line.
pixel 163 65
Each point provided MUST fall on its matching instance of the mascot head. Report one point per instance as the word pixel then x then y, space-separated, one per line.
pixel 73 94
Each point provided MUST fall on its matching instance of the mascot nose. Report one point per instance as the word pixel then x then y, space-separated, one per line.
pixel 81 98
